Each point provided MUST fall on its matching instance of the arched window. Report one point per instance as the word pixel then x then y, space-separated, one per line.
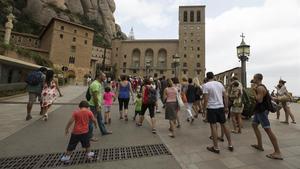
pixel 149 56
pixel 162 58
pixel 192 16
pixel 198 64
pixel 198 16
pixel 136 56
pixel 185 16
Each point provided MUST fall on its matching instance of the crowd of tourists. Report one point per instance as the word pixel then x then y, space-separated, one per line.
pixel 209 100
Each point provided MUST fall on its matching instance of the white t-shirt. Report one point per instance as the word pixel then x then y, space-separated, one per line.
pixel 214 90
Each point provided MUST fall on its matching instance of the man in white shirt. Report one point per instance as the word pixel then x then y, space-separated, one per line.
pixel 216 105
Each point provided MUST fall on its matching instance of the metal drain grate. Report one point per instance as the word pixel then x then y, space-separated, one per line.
pixel 78 157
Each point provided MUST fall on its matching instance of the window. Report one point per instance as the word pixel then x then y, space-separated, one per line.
pixel 116 55
pixel 29 40
pixel 184 55
pixel 173 72
pixel 185 16
pixel 62 27
pixel 117 49
pixel 198 56
pixel 75 31
pixel 85 41
pixel 198 48
pixel 198 16
pixel 125 56
pixel 192 48
pixel 73 49
pixel 61 36
pixel 134 71
pixel 72 59
pixel 86 34
pixel 184 64
pixel 74 39
pixel 184 72
pixel 192 34
pixel 184 33
pixel 161 72
pixel 198 72
pixel 124 64
pixel 198 65
pixel 124 71
pixel 192 16
pixel 184 48
pixel 192 40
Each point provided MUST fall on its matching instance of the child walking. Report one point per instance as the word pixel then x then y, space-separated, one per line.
pixel 81 118
pixel 108 98
pixel 138 105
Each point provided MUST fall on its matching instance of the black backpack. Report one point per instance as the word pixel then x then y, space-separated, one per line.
pixel 151 95
pixel 269 103
pixel 88 95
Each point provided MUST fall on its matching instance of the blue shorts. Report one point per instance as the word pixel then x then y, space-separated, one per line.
pixel 262 118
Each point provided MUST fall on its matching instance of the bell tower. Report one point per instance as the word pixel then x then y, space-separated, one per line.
pixel 192 41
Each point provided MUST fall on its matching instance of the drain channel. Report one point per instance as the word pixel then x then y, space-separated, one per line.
pixel 78 157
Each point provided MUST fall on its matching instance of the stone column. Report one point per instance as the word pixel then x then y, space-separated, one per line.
pixel 8 27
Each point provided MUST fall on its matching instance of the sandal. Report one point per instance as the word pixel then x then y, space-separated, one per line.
pixel 272 156
pixel 257 147
pixel 171 135
pixel 212 149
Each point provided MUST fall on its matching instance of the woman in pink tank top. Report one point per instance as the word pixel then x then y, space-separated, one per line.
pixel 170 95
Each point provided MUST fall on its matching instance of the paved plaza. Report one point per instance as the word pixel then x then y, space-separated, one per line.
pixel 20 138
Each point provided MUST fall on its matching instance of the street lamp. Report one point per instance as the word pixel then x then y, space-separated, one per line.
pixel 148 65
pixel 176 61
pixel 243 53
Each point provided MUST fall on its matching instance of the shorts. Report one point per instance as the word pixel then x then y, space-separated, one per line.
pixel 107 108
pixel 123 103
pixel 151 108
pixel 262 118
pixel 76 138
pixel 33 96
pixel 216 116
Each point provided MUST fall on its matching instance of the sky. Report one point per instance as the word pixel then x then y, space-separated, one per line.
pixel 271 27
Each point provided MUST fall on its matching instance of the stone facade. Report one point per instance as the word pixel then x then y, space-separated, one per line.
pixel 225 76
pixel 130 56
pixel 69 45
pixel 97 59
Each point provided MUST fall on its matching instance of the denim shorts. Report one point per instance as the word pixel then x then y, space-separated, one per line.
pixel 262 118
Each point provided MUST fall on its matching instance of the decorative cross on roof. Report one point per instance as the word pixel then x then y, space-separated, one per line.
pixel 243 36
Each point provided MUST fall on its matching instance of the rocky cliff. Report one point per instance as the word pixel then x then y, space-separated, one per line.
pixel 98 14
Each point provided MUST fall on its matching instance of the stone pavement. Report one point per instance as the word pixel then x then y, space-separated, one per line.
pixel 12 116
pixel 41 137
pixel 189 146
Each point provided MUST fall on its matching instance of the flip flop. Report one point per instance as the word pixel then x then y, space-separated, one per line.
pixel 212 149
pixel 257 148
pixel 271 156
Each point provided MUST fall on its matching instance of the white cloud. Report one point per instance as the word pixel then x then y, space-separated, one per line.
pixel 272 30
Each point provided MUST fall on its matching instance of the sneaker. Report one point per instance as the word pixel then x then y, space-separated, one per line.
pixel 90 155
pixel 28 117
pixel 65 158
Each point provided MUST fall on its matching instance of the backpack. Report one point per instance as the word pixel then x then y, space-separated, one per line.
pixel 151 95
pixel 88 95
pixel 199 91
pixel 270 105
pixel 34 78
pixel 249 101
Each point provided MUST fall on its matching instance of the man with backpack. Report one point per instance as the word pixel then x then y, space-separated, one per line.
pixel 262 108
pixel 35 81
pixel 149 98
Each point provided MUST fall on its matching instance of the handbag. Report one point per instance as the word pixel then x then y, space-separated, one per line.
pixel 179 101
pixel 183 97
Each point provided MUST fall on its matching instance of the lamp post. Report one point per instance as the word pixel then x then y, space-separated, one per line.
pixel 243 53
pixel 176 61
pixel 148 65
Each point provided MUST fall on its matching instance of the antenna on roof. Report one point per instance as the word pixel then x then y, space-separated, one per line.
pixel 131 34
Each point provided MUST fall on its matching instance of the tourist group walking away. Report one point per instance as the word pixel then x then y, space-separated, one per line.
pixel 212 101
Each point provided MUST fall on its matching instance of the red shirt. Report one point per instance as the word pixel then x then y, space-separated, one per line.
pixel 82 118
